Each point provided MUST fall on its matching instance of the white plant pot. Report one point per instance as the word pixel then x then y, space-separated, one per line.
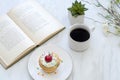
pixel 73 20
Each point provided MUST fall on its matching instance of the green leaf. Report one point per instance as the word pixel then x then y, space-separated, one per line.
pixel 107 16
pixel 98 5
pixel 117 1
pixel 76 2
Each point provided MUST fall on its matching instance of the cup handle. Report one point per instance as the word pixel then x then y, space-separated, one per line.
pixel 92 28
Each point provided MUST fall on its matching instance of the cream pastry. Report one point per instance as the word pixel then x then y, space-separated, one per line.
pixel 49 62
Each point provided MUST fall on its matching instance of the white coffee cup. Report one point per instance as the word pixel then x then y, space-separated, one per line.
pixel 79 45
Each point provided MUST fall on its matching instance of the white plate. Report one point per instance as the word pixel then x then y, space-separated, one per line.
pixel 62 72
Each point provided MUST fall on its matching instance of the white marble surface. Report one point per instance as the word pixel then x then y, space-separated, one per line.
pixel 100 62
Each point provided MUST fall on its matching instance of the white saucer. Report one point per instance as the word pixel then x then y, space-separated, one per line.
pixel 62 72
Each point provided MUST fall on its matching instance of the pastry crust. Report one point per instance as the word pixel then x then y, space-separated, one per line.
pixel 52 68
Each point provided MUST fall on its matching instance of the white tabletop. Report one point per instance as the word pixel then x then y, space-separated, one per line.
pixel 99 62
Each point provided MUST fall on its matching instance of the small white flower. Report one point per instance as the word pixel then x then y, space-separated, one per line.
pixel 105 29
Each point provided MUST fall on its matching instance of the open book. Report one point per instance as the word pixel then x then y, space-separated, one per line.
pixel 22 29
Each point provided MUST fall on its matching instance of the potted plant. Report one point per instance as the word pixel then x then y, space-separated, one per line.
pixel 76 12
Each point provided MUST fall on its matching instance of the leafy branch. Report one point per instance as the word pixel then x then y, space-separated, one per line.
pixel 112 14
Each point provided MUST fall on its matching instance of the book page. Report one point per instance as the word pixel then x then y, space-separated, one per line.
pixel 13 41
pixel 35 21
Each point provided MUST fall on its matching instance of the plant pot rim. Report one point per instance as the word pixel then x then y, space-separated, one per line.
pixel 74 16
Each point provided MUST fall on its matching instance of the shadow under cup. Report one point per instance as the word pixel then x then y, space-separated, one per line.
pixel 79 37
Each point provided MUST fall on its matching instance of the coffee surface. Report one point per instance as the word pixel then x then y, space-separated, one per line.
pixel 80 35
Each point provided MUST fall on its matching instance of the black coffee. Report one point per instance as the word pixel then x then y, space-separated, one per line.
pixel 79 35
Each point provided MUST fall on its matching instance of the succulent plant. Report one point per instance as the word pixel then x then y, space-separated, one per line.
pixel 77 9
